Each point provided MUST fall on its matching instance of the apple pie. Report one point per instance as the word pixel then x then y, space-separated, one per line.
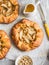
pixel 5 44
pixel 27 35
pixel 8 10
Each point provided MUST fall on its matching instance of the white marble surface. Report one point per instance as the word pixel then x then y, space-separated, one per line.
pixel 36 18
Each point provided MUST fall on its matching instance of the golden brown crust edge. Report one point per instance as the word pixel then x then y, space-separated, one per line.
pixel 24 47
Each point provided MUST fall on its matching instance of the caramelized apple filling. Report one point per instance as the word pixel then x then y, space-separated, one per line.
pixel 27 33
pixel 6 7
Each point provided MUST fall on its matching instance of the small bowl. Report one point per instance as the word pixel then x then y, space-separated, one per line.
pixel 28 13
pixel 19 57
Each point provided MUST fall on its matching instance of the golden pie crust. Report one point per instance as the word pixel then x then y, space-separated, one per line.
pixel 27 35
pixel 9 10
pixel 5 44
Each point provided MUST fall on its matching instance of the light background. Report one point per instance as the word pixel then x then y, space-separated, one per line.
pixel 39 54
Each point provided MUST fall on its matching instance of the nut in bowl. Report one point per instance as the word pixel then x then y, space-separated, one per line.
pixel 24 60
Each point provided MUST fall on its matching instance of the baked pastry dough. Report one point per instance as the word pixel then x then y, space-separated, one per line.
pixel 8 10
pixel 5 44
pixel 27 35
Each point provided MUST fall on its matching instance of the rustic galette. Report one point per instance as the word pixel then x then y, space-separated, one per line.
pixel 27 35
pixel 5 44
pixel 8 10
